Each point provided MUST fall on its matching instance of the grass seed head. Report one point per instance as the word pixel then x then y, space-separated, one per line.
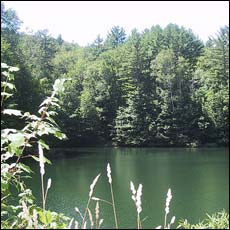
pixel 93 185
pixel 109 173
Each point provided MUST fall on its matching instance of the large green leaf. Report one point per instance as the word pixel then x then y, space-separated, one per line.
pixel 4 65
pixel 17 140
pixel 6 94
pixel 45 217
pixel 7 84
pixel 25 168
pixel 12 112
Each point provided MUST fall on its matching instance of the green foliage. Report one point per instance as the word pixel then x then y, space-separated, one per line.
pixel 174 81
pixel 175 86
pixel 158 87
pixel 115 37
pixel 97 47
pixel 9 19
pixel 17 208
pixel 127 127
pixel 219 220
pixel 212 76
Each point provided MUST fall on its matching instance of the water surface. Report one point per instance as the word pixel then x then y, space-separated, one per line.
pixel 198 178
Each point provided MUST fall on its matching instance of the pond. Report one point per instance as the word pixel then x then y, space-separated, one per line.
pixel 198 178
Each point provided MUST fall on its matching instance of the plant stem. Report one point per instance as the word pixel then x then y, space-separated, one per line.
pixel 43 195
pixel 165 220
pixel 114 210
pixel 83 220
pixel 138 221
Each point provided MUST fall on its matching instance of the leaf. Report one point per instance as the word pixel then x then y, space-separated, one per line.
pixel 6 94
pixel 35 158
pixel 24 167
pixel 18 151
pixel 52 113
pixel 4 185
pixel 17 139
pixel 26 114
pixel 55 104
pixel 43 144
pixel 49 217
pixel 42 217
pixel 45 217
pixel 7 84
pixel 44 159
pixel 6 156
pixel 46 101
pixel 32 117
pixel 3 140
pixel 13 69
pixel 4 65
pixel 12 112
pixel 59 85
pixel 10 77
pixel 5 73
pixel 60 135
pixel 52 120
pixel 42 109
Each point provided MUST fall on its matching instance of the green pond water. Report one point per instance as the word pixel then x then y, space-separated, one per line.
pixel 198 178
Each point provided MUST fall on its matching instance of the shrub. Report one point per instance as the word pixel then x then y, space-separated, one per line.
pixel 219 220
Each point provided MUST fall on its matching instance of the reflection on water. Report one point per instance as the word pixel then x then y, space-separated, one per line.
pixel 199 180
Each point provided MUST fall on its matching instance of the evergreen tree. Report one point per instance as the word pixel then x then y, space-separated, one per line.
pixel 115 37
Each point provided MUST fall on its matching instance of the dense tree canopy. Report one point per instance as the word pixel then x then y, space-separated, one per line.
pixel 155 88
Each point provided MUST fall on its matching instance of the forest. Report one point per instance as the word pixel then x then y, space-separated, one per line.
pixel 158 87
pixel 162 87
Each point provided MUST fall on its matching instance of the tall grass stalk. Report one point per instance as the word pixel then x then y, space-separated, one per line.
pixel 83 226
pixel 70 223
pixel 42 172
pixel 97 212
pixel 168 199
pixel 136 196
pixel 111 190
pixel 90 218
pixel 78 211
